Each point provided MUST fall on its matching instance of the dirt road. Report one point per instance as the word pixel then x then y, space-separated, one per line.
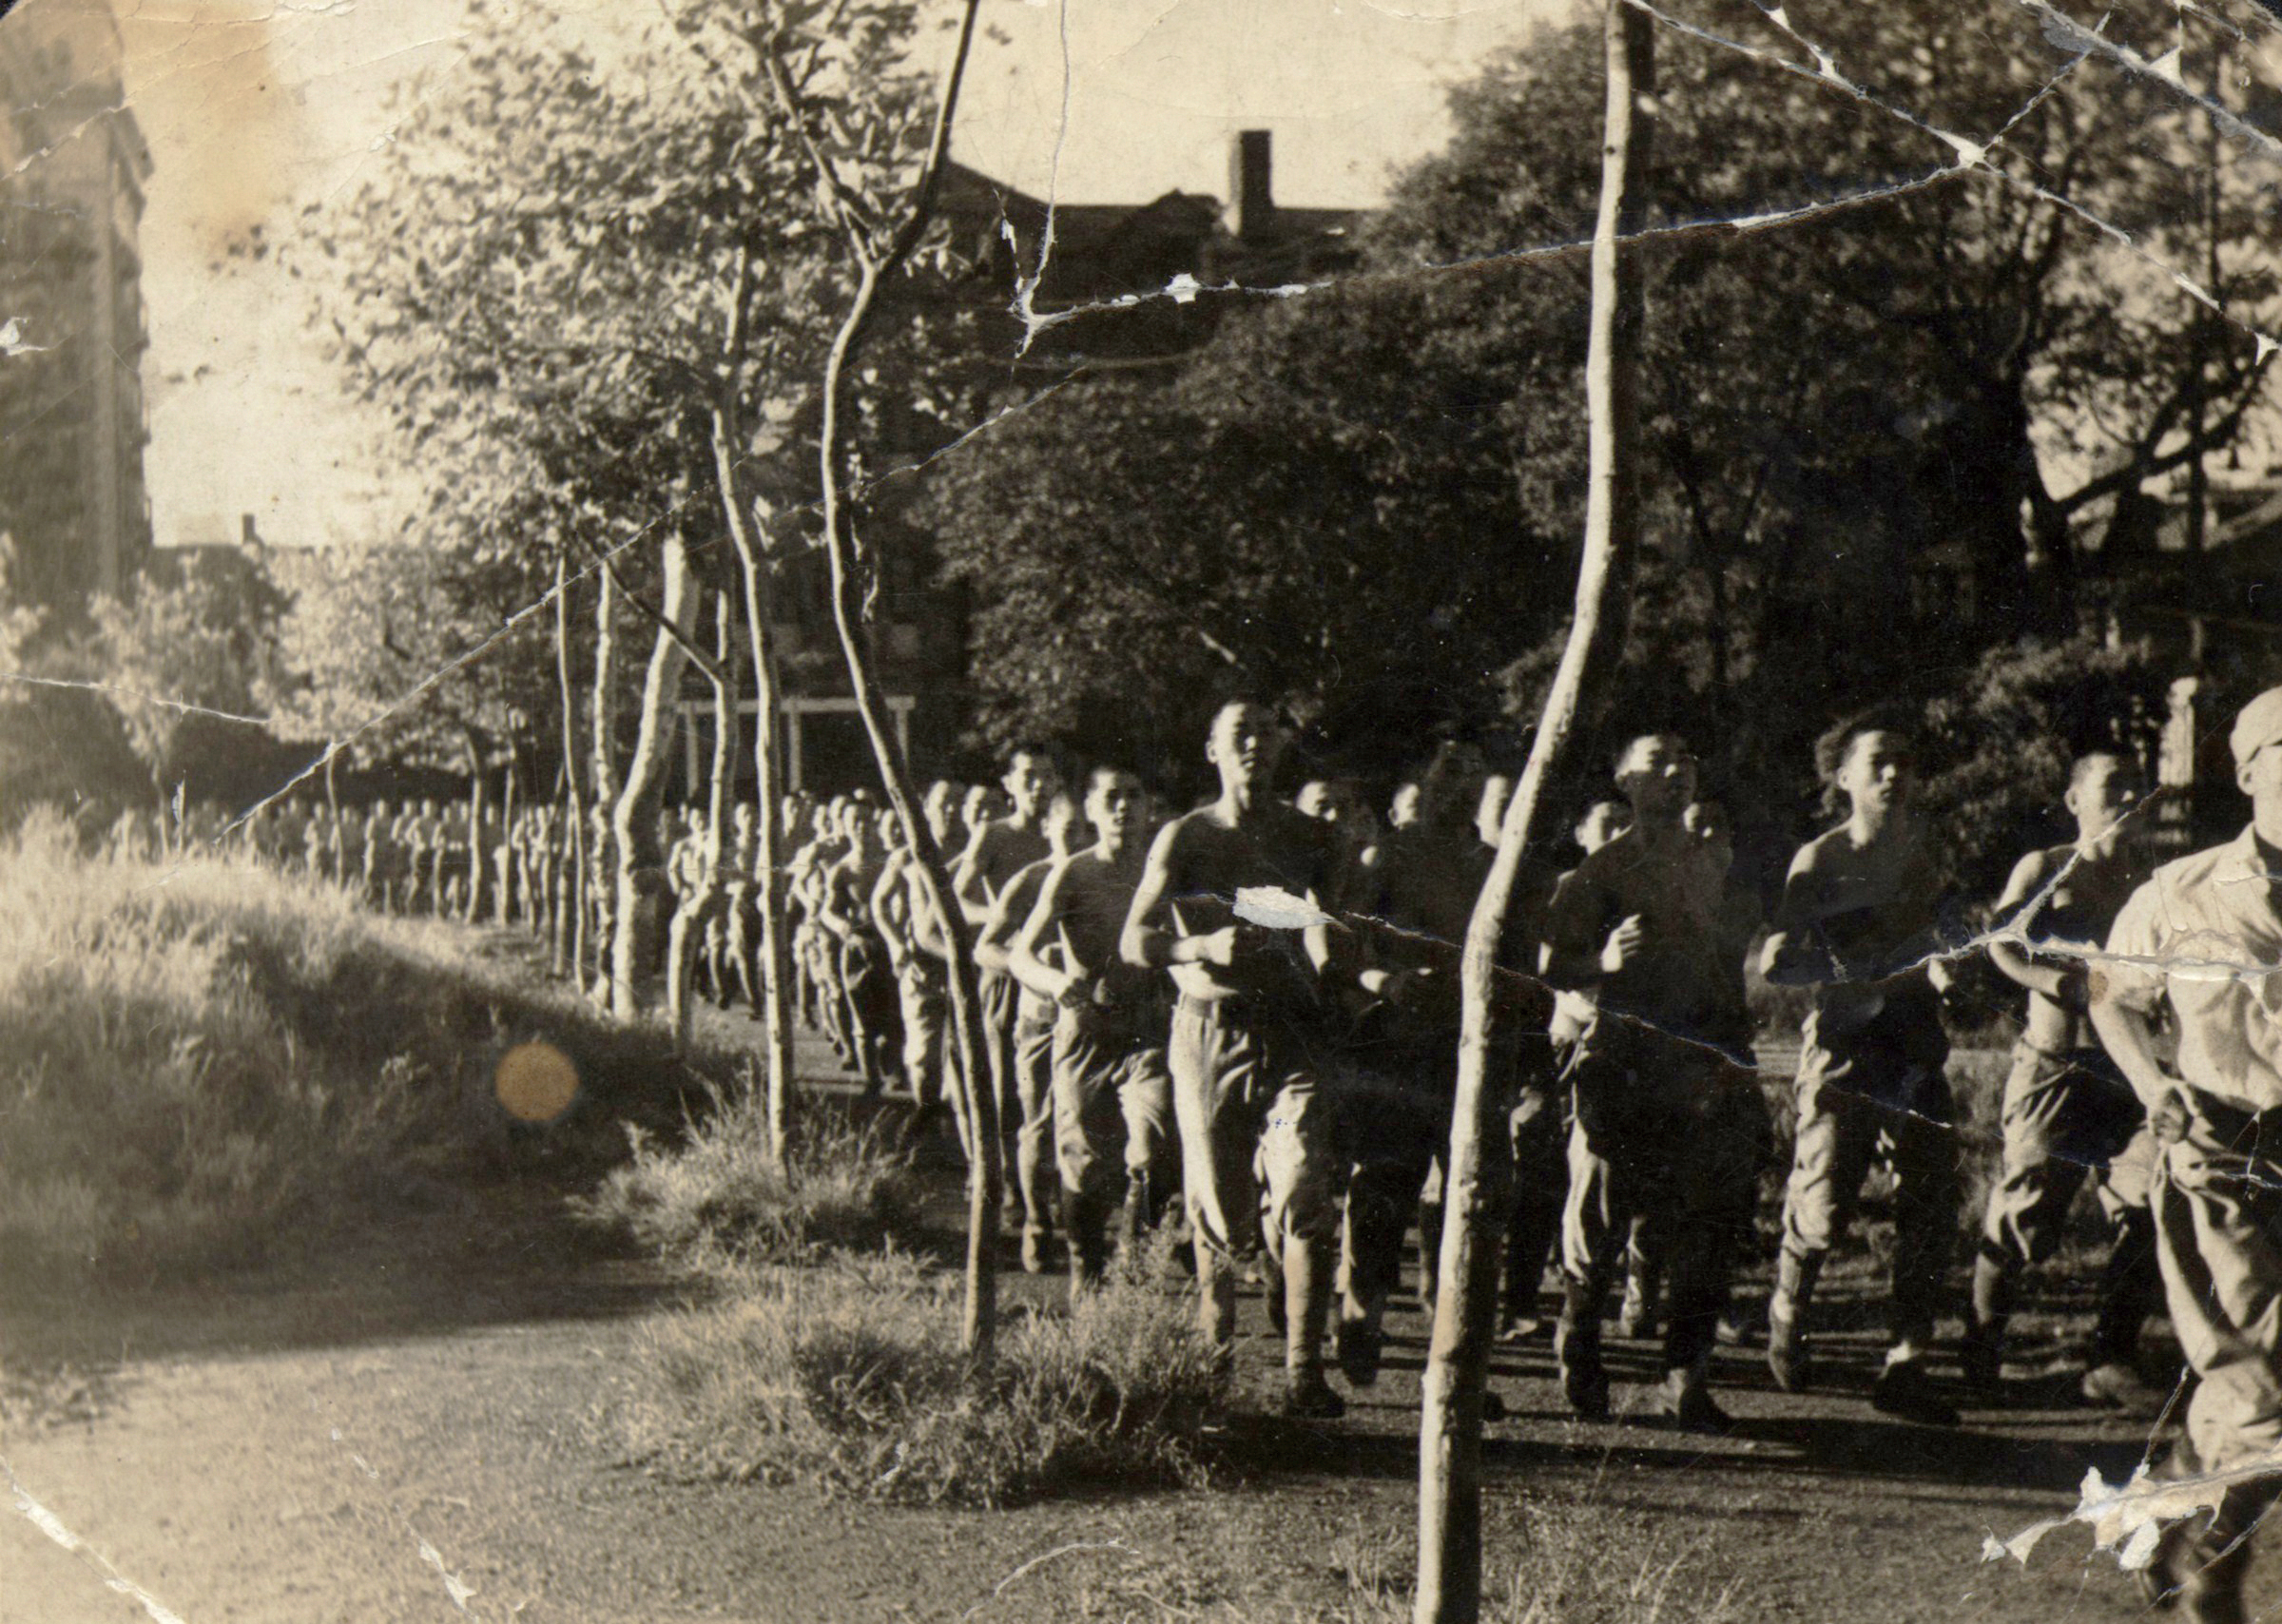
pixel 421 1431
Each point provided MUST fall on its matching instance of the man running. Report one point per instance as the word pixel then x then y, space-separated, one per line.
pixel 1412 913
pixel 1857 926
pixel 845 909
pixel 998 851
pixel 923 953
pixel 2203 937
pixel 1538 1131
pixel 2068 1112
pixel 1111 1096
pixel 1246 1047
pixel 692 874
pixel 1657 1080
pixel 1029 1172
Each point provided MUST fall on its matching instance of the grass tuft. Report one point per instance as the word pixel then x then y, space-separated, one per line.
pixel 847 1375
pixel 715 1201
pixel 1576 1562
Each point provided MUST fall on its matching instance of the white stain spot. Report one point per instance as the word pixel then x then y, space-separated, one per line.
pixel 1274 908
pixel 1968 152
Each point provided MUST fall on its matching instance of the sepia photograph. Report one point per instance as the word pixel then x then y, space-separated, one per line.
pixel 1367 811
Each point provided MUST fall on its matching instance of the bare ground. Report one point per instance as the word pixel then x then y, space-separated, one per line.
pixel 420 1428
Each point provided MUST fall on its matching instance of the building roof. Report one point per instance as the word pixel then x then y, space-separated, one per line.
pixel 1134 257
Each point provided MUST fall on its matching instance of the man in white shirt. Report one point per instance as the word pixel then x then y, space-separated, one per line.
pixel 2204 936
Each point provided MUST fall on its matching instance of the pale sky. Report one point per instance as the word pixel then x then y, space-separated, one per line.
pixel 254 111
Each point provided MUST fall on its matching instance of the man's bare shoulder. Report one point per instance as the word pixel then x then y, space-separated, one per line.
pixel 2036 869
pixel 1203 826
pixel 1832 851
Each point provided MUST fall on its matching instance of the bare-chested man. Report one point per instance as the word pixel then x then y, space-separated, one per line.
pixel 1111 1096
pixel 1538 1131
pixel 692 875
pixel 1031 1169
pixel 1658 1079
pixel 1411 911
pixel 998 851
pixel 1247 1049
pixel 845 909
pixel 733 929
pixel 1857 926
pixel 2068 1111
pixel 812 938
pixel 923 953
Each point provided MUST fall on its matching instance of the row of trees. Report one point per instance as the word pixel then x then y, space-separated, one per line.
pixel 590 284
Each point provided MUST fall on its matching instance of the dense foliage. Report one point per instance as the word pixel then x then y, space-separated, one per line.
pixel 1885 438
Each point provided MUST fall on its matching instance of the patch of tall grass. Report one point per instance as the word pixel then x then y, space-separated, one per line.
pixel 1575 1562
pixel 713 1200
pixel 847 1375
pixel 204 1060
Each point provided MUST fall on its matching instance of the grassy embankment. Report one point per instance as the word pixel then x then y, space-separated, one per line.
pixel 205 1065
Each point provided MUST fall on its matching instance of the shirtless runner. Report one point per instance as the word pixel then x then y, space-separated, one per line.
pixel 2068 1111
pixel 1247 1048
pixel 1029 1172
pixel 1857 926
pixel 999 849
pixel 1110 1097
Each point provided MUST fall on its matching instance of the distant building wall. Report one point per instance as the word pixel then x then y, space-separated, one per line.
pixel 72 168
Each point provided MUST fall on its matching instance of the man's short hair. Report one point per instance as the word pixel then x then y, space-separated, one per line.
pixel 1102 775
pixel 2080 768
pixel 1651 735
pixel 1837 743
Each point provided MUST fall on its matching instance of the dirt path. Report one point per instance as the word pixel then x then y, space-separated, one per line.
pixel 429 1418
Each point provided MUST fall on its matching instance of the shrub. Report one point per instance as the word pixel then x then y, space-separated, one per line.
pixel 716 1200
pixel 849 1376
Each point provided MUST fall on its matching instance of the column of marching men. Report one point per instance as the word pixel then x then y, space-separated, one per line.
pixel 1286 1068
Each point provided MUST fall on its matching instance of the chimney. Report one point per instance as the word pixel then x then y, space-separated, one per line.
pixel 247 535
pixel 1250 167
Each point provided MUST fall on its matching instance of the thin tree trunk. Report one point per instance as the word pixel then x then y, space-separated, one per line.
pixel 1449 1587
pixel 567 901
pixel 467 903
pixel 602 740
pixel 986 1175
pixel 776 943
pixel 641 867
pixel 721 785
pixel 503 869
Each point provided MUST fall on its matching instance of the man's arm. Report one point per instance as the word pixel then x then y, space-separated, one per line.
pixel 891 921
pixel 968 888
pixel 2062 983
pixel 2124 995
pixel 1571 959
pixel 1795 954
pixel 2129 1038
pixel 1022 960
pixel 1008 910
pixel 835 897
pixel 1144 943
